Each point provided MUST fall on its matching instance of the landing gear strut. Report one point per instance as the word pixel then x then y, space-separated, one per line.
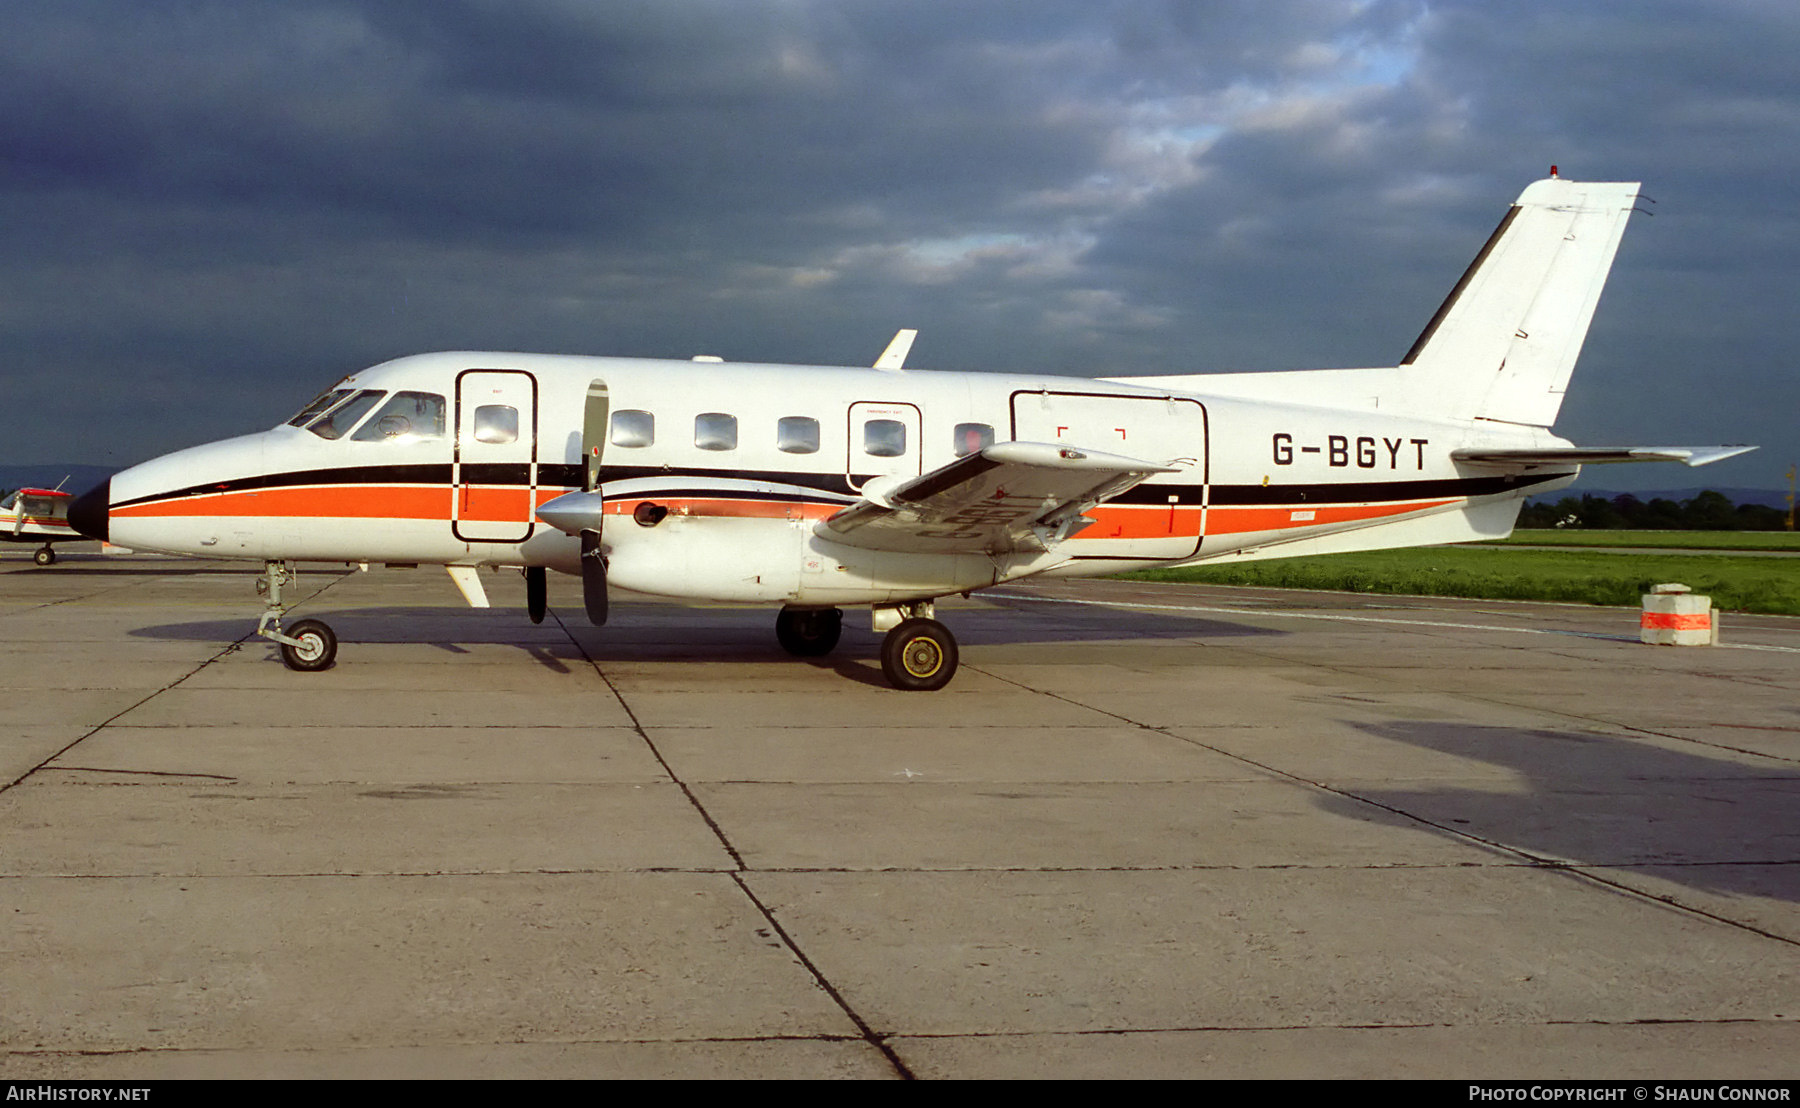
pixel 309 644
pixel 45 556
pixel 809 632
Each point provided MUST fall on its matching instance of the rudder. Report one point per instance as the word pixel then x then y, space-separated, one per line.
pixel 1503 345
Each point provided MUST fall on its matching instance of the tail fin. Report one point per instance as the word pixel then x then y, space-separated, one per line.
pixel 1504 342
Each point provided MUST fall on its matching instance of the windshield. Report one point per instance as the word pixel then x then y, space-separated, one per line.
pixel 319 403
pixel 340 420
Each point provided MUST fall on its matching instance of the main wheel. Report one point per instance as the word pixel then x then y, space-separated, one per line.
pixel 919 655
pixel 45 557
pixel 317 649
pixel 809 632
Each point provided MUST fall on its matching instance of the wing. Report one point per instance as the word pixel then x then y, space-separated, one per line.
pixel 1010 496
pixel 1598 455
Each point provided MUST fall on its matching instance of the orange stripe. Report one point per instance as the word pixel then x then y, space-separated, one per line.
pixel 1668 621
pixel 1235 521
pixel 726 507
pixel 1144 521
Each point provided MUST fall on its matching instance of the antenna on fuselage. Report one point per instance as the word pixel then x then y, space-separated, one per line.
pixel 894 357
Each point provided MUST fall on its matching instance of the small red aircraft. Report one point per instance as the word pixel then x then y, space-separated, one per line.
pixel 34 515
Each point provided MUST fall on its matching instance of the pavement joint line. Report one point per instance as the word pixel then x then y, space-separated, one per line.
pixel 638 727
pixel 1574 868
pixel 1286 614
pixel 1582 869
pixel 868 1034
pixel 229 648
pixel 879 1042
pixel 937 1036
pixel 941 871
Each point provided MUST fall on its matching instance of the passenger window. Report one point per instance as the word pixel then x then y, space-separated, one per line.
pixel 884 438
pixel 633 428
pixel 797 435
pixel 496 423
pixel 319 403
pixel 715 431
pixel 971 437
pixel 340 420
pixel 407 417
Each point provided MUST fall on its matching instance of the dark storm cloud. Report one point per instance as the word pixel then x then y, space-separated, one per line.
pixel 212 208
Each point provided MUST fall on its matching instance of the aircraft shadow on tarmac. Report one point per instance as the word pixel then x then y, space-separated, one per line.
pixel 1594 800
pixel 651 632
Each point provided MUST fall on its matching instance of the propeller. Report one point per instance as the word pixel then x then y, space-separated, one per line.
pixel 593 577
pixel 536 593
pixel 593 561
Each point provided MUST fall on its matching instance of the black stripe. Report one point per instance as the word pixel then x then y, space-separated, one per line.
pixel 438 474
pixel 1372 491
pixel 570 476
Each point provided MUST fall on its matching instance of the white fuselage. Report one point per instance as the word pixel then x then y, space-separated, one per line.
pixel 748 459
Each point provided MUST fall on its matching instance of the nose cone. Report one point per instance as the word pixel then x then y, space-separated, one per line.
pixel 90 513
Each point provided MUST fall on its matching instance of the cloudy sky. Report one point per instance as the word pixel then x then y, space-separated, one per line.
pixel 213 209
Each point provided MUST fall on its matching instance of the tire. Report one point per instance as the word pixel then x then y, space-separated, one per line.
pixel 45 557
pixel 317 649
pixel 809 632
pixel 919 655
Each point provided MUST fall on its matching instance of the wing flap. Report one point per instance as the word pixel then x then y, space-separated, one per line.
pixel 1009 496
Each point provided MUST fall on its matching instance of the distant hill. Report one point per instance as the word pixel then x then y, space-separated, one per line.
pixel 73 478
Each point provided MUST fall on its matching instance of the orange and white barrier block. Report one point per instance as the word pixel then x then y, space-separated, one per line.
pixel 1675 616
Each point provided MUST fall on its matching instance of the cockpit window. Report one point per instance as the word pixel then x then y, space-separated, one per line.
pixel 319 404
pixel 406 417
pixel 341 419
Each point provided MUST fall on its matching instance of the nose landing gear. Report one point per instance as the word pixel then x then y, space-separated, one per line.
pixel 309 645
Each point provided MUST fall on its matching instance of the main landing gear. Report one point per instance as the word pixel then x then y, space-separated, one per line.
pixel 809 632
pixel 918 655
pixel 45 556
pixel 308 645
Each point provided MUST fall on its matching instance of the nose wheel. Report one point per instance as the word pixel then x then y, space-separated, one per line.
pixel 313 646
pixel 309 645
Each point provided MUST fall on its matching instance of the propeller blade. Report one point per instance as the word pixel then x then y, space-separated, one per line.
pixel 593 432
pixel 593 578
pixel 536 593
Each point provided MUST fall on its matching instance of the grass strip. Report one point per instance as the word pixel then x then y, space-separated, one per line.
pixel 1687 540
pixel 1735 583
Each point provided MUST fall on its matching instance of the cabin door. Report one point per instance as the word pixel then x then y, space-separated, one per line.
pixel 1161 519
pixel 494 469
pixel 884 442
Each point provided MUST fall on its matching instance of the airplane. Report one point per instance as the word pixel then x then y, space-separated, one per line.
pixel 815 488
pixel 37 515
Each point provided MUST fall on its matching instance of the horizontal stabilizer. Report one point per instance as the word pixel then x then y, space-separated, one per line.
pixel 1600 455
